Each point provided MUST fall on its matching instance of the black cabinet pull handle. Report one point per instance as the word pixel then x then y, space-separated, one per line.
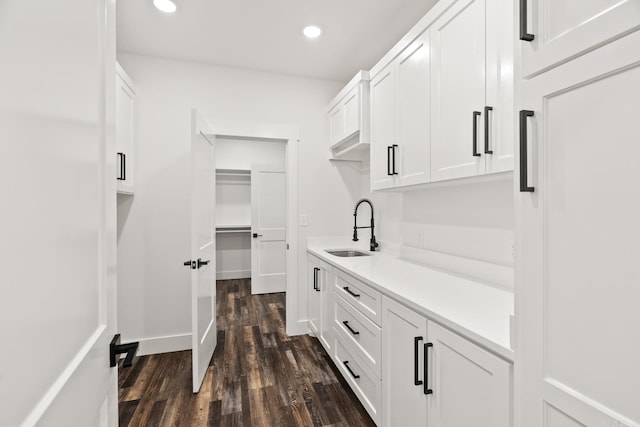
pixel 427 390
pixel 121 162
pixel 256 235
pixel 124 167
pixel 524 185
pixel 393 159
pixel 350 292
pixel 353 331
pixel 346 365
pixel 486 130
pixel 416 345
pixel 389 167
pixel 524 34
pixel 315 278
pixel 475 133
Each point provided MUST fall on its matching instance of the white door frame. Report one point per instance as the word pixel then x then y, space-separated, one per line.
pixel 291 136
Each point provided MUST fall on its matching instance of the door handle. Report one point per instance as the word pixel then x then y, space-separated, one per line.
pixel 393 159
pixel 200 262
pixel 486 130
pixel 121 158
pixel 524 184
pixel 475 133
pixel 256 235
pixel 427 390
pixel 524 33
pixel 189 263
pixel 416 345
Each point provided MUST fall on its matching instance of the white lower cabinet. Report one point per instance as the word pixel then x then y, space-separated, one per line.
pixel 313 299
pixel 320 307
pixel 405 369
pixel 434 377
pixel 470 386
pixel 364 383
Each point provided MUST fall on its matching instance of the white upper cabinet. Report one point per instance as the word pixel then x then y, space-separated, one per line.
pixel 400 132
pixel 383 133
pixel 458 46
pixel 349 120
pixel 472 84
pixel 413 131
pixel 125 135
pixel 555 31
pixel 442 98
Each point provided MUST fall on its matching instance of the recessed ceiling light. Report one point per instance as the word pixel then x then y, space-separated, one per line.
pixel 312 31
pixel 166 6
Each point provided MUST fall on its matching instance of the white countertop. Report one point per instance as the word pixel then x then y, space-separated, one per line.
pixel 479 311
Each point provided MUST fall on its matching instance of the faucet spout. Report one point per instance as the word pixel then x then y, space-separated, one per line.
pixel 372 243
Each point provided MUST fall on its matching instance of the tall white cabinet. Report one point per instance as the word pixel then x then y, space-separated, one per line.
pixel 578 208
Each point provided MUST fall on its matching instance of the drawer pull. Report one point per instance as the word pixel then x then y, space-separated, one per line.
pixel 353 331
pixel 346 365
pixel 350 292
pixel 416 346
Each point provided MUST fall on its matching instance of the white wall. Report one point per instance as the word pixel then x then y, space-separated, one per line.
pixel 154 289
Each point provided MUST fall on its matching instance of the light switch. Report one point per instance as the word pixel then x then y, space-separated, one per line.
pixel 303 220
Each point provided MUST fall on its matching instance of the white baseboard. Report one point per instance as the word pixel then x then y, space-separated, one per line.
pixel 233 274
pixel 166 344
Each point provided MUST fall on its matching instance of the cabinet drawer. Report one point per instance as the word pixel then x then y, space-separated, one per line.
pixel 361 296
pixel 362 381
pixel 361 333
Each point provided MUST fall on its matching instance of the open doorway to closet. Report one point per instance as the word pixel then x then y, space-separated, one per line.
pixel 251 214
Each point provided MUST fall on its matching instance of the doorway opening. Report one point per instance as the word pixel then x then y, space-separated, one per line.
pixel 276 161
pixel 251 212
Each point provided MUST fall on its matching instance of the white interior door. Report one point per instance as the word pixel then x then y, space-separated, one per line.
pixel 268 223
pixel 203 248
pixel 58 216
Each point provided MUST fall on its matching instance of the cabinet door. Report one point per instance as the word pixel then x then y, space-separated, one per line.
pixel 124 134
pixel 383 124
pixel 577 264
pixel 351 108
pixel 498 115
pixel 313 289
pixel 564 29
pixel 471 387
pixel 336 124
pixel 458 90
pixel 326 304
pixel 414 154
pixel 403 400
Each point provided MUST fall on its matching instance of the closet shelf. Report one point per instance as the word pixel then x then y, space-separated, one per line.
pixel 244 228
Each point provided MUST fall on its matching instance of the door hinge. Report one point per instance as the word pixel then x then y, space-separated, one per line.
pixel 115 348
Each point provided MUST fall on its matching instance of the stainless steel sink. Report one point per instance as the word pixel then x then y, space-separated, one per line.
pixel 346 253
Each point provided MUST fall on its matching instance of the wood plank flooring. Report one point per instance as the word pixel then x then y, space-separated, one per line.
pixel 259 376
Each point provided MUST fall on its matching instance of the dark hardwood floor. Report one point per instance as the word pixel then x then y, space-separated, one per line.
pixel 259 376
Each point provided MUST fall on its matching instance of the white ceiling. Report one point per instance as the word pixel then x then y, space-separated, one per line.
pixel 266 35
